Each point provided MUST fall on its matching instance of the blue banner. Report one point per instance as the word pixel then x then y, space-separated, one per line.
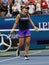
pixel 41 21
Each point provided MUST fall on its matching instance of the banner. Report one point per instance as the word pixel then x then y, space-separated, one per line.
pixel 38 39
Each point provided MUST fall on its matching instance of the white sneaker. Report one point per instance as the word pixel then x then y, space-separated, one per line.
pixel 26 58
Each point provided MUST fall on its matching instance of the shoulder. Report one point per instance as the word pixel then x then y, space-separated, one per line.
pixel 18 16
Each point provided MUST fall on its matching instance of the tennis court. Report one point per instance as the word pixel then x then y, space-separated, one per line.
pixel 36 57
pixel 38 40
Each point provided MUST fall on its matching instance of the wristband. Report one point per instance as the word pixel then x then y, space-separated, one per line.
pixel 12 30
pixel 35 28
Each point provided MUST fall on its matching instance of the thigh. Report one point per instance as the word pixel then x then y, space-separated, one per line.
pixel 21 40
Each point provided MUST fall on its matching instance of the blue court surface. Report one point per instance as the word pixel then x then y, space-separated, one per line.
pixel 35 58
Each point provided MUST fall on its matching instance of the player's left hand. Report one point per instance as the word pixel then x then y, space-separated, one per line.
pixel 36 28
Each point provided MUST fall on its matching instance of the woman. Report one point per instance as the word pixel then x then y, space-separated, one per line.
pixel 23 19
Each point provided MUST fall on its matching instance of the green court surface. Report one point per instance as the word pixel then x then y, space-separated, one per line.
pixel 44 52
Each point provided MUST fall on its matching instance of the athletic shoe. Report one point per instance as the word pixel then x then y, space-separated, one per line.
pixel 26 57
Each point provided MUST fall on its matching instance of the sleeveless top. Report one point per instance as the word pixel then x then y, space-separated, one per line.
pixel 23 22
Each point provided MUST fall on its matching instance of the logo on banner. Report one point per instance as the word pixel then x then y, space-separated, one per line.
pixel 3 43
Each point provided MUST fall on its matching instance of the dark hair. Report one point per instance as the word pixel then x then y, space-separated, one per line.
pixel 27 8
pixel 22 7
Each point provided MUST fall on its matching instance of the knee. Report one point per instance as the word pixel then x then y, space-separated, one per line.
pixel 21 44
pixel 27 43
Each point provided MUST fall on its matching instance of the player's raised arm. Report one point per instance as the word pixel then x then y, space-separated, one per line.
pixel 16 22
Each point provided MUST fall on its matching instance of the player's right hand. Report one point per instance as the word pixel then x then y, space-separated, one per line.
pixel 12 31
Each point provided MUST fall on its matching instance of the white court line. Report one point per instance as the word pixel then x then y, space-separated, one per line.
pixel 14 58
pixel 35 52
pixel 8 59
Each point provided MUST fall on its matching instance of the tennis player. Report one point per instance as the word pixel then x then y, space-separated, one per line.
pixel 24 33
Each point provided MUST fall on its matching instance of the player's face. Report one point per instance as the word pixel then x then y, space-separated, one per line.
pixel 25 10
